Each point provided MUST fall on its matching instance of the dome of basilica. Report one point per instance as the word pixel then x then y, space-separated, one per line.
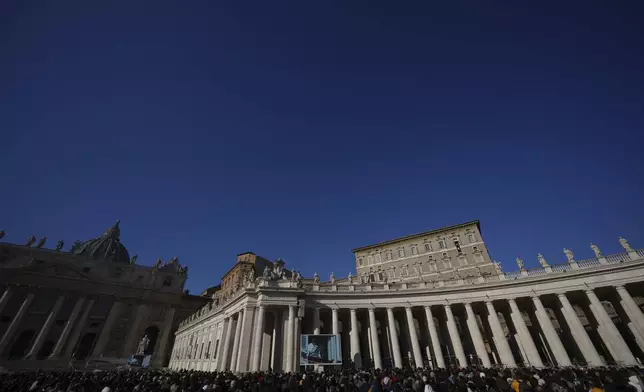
pixel 108 247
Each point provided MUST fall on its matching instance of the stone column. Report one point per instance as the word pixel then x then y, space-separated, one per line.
pixel 67 329
pixel 219 342
pixel 5 297
pixel 418 356
pixel 106 332
pixel 355 340
pixel 631 309
pixel 257 340
pixel 454 336
pixel 277 319
pixel 613 336
pixel 334 322
pixel 297 329
pixel 243 357
pixel 230 325
pixel 477 338
pixel 500 341
pixel 15 322
pixel 548 329
pixel 433 335
pixel 375 343
pixel 235 355
pixel 45 328
pixel 525 340
pixel 395 344
pixel 579 333
pixel 133 334
pixel 316 321
pixel 168 318
pixel 290 336
pixel 73 338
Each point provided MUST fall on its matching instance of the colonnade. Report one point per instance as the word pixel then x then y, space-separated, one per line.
pixel 516 330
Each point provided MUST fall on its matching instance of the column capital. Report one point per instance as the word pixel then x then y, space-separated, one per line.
pixel 620 287
pixel 371 310
pixel 560 295
pixel 448 306
pixel 353 310
pixel 468 304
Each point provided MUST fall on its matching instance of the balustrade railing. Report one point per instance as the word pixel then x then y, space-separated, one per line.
pixel 618 258
pixel 588 263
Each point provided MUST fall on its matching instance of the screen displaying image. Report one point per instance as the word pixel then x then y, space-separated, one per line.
pixel 320 350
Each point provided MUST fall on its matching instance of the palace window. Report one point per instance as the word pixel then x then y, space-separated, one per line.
pixel 441 244
pixel 404 271
pixel 392 273
pixel 428 247
pixel 378 258
pixel 369 260
pixel 389 257
pixel 457 245
pixel 360 261
pixel 414 250
pixel 167 281
pixel 401 252
pixel 381 276
pixel 471 238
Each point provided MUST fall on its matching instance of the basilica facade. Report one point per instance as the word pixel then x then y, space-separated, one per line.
pixel 90 303
pixel 430 299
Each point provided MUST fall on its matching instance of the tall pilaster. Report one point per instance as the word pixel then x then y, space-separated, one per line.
pixel 395 344
pixel 257 340
pixel 433 335
pixel 243 357
pixel 525 340
pixel 548 329
pixel 477 338
pixel 616 340
pixel 375 343
pixel 413 336
pixel 106 332
pixel 80 326
pixel 290 336
pixel 166 331
pixel 316 321
pixel 355 340
pixel 579 332
pixel 58 348
pixel 40 339
pixel 455 337
pixel 15 322
pixel 500 341
pixel 133 334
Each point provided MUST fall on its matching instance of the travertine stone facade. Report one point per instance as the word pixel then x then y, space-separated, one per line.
pixel 92 303
pixel 576 312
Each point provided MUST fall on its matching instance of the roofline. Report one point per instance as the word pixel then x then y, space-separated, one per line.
pixel 245 253
pixel 476 222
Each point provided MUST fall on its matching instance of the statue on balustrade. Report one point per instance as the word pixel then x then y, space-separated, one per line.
pixel 624 243
pixel 1 234
pixel 595 248
pixel 267 273
pixel 350 278
pixel 158 263
pixel 332 278
pixel 542 260
pixel 497 268
pixel 316 278
pixel 143 345
pixel 134 258
pixel 30 241
pixel 59 245
pixel 520 264
pixel 75 246
pixel 569 255
pixel 250 276
pixel 41 242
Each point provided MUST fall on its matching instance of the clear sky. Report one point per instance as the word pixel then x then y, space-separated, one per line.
pixel 303 129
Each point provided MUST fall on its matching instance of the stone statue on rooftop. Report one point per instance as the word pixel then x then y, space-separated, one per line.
pixel 569 255
pixel 59 245
pixel 624 243
pixel 157 264
pixel 174 260
pixel 267 273
pixel 595 248
pixel 350 278
pixel 542 260
pixel 332 278
pixel 497 267
pixel 134 258
pixel 1 234
pixel 30 241
pixel 520 264
pixel 250 277
pixel 75 245
pixel 316 278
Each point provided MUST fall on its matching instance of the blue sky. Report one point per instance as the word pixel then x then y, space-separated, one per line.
pixel 304 129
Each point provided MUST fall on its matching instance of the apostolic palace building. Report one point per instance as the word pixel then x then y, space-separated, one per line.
pixel 429 299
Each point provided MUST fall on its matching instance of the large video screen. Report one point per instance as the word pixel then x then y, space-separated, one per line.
pixel 320 350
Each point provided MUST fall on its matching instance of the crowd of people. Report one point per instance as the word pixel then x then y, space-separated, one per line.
pixel 403 380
